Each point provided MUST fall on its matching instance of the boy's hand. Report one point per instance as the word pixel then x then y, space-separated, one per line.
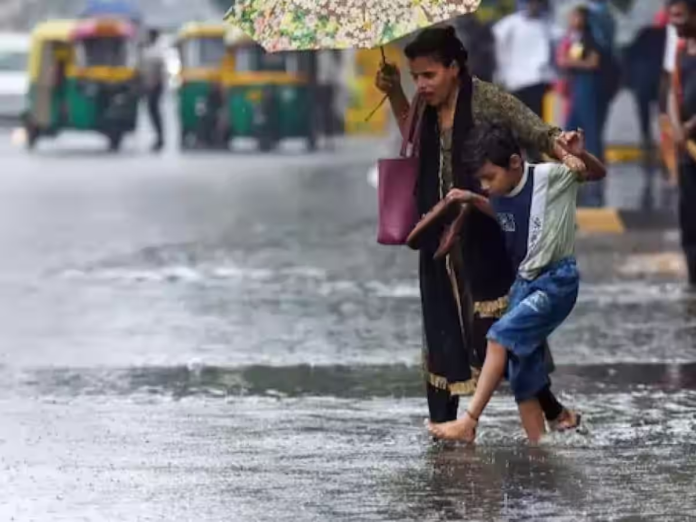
pixel 460 196
pixel 573 142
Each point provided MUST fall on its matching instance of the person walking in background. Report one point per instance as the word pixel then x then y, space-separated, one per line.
pixel 642 60
pixel 524 53
pixel 683 109
pixel 477 36
pixel 669 60
pixel 154 80
pixel 328 76
pixel 602 25
pixel 581 64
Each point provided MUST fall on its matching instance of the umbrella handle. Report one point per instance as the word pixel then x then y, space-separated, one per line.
pixel 379 106
pixel 374 111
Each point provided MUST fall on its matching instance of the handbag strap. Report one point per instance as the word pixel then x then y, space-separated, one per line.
pixel 411 141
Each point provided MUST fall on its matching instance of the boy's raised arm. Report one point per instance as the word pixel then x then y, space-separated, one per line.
pixel 595 170
pixel 478 201
pixel 573 142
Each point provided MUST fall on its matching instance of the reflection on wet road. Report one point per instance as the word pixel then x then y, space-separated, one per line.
pixel 220 338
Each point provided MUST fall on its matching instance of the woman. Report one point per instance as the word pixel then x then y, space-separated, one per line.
pixel 465 293
pixel 581 63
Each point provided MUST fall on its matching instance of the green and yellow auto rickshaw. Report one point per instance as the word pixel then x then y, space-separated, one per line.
pixel 202 52
pixel 268 95
pixel 83 76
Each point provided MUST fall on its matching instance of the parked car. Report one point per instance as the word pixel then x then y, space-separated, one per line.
pixel 14 54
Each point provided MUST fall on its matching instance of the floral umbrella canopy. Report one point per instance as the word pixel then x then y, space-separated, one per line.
pixel 285 25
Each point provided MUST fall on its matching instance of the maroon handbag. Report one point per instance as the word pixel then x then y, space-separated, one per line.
pixel 398 211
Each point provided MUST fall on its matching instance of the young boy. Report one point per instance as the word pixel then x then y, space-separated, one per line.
pixel 535 205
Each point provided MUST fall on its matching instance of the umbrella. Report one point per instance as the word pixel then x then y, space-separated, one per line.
pixel 286 25
pixel 120 8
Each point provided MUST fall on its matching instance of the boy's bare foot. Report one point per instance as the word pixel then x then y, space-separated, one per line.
pixel 567 420
pixel 463 429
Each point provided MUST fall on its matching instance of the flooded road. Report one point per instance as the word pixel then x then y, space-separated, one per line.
pixel 219 338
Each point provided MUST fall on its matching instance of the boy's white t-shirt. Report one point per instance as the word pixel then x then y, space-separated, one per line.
pixel 538 217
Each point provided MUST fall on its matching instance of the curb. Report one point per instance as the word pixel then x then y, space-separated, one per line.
pixel 620 221
pixel 621 154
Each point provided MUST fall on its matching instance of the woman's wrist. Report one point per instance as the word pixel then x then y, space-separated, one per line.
pixel 396 92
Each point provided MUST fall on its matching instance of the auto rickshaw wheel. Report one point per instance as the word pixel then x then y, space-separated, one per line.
pixel 184 141
pixel 32 137
pixel 115 141
pixel 267 143
pixel 312 142
pixel 31 134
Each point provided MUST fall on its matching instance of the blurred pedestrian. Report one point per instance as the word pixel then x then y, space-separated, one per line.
pixel 642 60
pixel 602 25
pixel 477 36
pixel 683 108
pixel 669 156
pixel 154 81
pixel 581 64
pixel 328 75
pixel 465 292
pixel 524 53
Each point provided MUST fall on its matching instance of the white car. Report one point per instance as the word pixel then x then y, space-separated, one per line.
pixel 14 78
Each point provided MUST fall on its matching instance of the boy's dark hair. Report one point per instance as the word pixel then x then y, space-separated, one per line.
pixel 440 44
pixel 497 144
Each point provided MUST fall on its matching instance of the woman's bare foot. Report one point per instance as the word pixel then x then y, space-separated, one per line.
pixel 567 420
pixel 463 429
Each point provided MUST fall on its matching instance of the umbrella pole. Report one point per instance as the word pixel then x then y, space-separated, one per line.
pixel 379 106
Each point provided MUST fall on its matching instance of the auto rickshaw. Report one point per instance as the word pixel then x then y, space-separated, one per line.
pixel 83 76
pixel 268 95
pixel 202 52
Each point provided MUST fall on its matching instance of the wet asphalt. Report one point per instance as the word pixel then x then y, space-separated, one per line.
pixel 219 337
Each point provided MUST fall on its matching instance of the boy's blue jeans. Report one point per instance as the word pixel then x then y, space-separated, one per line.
pixel 536 309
